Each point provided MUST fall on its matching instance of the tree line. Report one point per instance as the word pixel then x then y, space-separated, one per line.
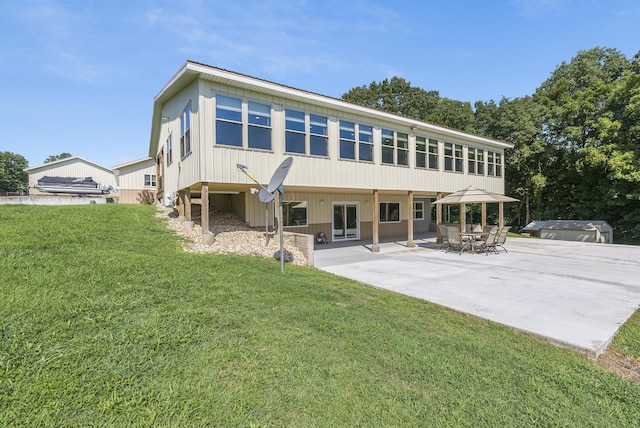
pixel 576 140
pixel 13 177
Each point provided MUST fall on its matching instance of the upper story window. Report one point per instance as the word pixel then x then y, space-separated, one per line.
pixel 395 148
pixel 295 131
pixel 149 180
pixel 297 123
pixel 228 121
pixel 452 157
pixel 402 148
pixel 169 149
pixel 347 140
pixel 434 154
pixel 365 143
pixel 476 161
pixel 494 164
pixel 259 126
pixel 387 146
pixel 458 161
pixel 421 152
pixel 318 135
pixel 185 131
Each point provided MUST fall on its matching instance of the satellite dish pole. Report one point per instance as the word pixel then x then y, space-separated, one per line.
pixel 268 194
pixel 275 184
pixel 264 196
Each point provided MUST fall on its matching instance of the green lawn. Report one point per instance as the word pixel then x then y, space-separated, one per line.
pixel 104 321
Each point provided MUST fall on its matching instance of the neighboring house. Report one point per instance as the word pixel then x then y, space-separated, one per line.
pixel 357 173
pixel 571 230
pixel 134 177
pixel 74 166
pixel 129 178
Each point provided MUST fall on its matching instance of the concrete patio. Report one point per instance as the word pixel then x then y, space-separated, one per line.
pixel 573 294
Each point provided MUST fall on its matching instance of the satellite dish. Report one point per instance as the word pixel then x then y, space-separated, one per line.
pixel 278 177
pixel 265 196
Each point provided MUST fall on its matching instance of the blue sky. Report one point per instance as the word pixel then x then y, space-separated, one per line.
pixel 80 76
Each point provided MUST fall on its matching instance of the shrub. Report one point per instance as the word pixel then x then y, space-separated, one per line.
pixel 146 197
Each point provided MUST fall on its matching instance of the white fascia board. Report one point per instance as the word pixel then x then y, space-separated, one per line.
pixel 317 99
pixel 133 162
pixel 66 160
pixel 191 70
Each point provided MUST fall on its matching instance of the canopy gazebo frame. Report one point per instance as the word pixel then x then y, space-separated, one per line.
pixel 472 195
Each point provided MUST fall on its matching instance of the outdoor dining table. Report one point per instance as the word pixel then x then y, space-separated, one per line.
pixel 474 239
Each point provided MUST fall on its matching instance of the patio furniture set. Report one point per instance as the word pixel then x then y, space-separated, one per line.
pixel 488 239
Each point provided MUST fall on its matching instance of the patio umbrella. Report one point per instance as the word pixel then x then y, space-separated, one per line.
pixel 471 195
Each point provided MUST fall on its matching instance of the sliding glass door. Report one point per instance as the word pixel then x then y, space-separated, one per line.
pixel 346 224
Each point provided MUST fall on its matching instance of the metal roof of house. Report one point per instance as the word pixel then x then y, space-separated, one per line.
pixel 192 70
pixel 566 224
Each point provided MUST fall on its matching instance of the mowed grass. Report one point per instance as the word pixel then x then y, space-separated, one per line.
pixel 105 321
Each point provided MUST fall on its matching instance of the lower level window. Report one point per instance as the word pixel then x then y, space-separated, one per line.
pixel 294 213
pixel 389 212
pixel 418 210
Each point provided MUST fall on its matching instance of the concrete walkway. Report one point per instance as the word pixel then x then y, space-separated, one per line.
pixel 571 293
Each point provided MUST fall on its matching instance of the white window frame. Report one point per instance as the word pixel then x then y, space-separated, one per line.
pixel 185 131
pixel 436 164
pixel 287 206
pixel 150 180
pixel 418 208
pixel 386 211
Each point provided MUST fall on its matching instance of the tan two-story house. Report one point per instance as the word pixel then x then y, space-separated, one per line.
pixel 357 173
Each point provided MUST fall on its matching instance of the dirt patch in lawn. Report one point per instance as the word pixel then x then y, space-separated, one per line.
pixel 625 367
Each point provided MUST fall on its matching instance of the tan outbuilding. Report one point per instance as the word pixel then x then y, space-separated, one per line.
pixel 571 230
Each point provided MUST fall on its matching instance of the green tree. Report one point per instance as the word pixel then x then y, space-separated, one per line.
pixel 395 96
pixel 518 122
pixel 13 178
pixel 53 158
pixel 589 112
pixel 453 114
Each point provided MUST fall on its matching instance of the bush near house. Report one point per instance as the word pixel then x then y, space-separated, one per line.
pixel 146 197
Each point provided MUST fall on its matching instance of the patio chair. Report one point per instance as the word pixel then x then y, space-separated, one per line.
pixel 502 237
pixel 443 234
pixel 489 244
pixel 455 240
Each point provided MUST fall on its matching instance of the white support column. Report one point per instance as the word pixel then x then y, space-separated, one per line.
pixel 410 242
pixel 376 221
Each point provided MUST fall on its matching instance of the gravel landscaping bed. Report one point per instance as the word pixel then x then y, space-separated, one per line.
pixel 232 235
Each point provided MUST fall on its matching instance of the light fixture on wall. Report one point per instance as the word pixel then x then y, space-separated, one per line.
pixel 165 118
pixel 321 201
pixel 366 202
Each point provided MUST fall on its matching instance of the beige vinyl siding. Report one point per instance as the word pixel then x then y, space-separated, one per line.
pixel 131 180
pixel 219 162
pixel 321 173
pixel 183 172
pixel 320 206
pixel 216 164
